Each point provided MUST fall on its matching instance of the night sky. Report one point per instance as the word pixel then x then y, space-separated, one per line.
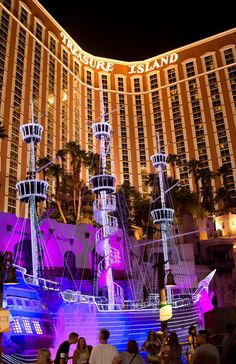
pixel 129 31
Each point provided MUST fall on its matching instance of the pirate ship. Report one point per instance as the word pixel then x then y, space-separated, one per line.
pixel 45 306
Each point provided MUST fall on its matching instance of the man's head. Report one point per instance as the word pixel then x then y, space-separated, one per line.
pixel 104 335
pixel 73 337
pixel 202 337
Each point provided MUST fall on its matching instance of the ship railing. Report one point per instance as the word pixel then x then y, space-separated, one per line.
pixel 50 285
pixel 37 281
pixel 20 269
pixel 113 257
pixel 184 300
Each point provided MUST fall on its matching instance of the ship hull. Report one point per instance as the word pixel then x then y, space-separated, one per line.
pixel 41 318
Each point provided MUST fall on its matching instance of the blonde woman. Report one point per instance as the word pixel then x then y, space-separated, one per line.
pixel 82 353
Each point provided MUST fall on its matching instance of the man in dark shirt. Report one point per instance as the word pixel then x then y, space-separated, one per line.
pixel 63 350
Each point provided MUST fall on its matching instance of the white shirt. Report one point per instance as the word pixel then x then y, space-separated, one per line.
pixel 103 354
pixel 206 354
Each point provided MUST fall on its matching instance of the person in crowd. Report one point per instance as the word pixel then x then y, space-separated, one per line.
pixel 104 353
pixel 171 352
pixel 152 347
pixel 43 356
pixel 230 357
pixel 64 348
pixel 205 352
pixel 192 344
pixel 132 354
pixel 227 341
pixel 81 354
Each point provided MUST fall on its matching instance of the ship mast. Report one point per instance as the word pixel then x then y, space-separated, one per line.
pixel 163 216
pixel 103 185
pixel 32 191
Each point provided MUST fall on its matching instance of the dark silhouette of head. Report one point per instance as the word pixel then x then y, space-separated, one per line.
pixel 173 339
pixel 104 334
pixel 152 336
pixel 132 347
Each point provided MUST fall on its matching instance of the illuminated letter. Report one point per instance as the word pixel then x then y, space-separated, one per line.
pixel 173 57
pixel 155 65
pixel 85 59
pixel 164 60
pixel 147 68
pixel 70 46
pixel 100 64
pixel 64 38
pixel 110 66
pixel 140 68
pixel 132 68
pixel 92 62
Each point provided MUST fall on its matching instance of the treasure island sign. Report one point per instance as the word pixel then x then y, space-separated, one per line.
pixel 109 66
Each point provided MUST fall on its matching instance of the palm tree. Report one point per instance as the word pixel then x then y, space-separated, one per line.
pixel 193 167
pixel 93 163
pixel 206 175
pixel 3 133
pixel 55 170
pixel 41 163
pixel 222 195
pixel 224 172
pixel 78 159
pixel 174 161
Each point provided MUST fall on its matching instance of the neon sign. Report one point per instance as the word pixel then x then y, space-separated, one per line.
pixel 150 66
pixel 109 66
pixel 84 58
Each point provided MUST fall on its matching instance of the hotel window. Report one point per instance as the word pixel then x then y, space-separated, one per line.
pixel 64 102
pixel 65 57
pixel 136 85
pixel 89 113
pixel 190 71
pixel 23 16
pixel 171 74
pixel 105 97
pixel 7 4
pixel 39 31
pixel 4 26
pixel 76 69
pixel 229 56
pixel 89 78
pixel 220 125
pixel 123 131
pixel 120 84
pixel 177 123
pixel 153 81
pixel 209 63
pixel 230 59
pixel 17 103
pixel 195 106
pixel 51 104
pixel 52 45
pixel 36 75
pixel 140 125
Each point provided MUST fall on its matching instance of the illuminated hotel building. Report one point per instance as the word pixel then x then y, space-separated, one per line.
pixel 187 96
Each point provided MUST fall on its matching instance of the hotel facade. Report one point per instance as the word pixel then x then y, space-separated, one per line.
pixel 185 98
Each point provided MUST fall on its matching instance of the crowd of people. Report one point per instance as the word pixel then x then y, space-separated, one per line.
pixel 159 347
